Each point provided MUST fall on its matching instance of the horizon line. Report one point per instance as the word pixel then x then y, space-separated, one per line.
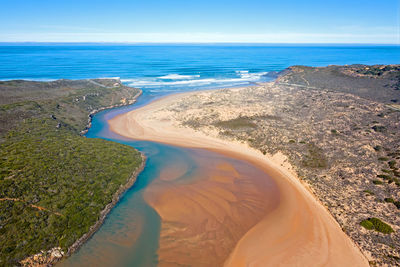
pixel 197 43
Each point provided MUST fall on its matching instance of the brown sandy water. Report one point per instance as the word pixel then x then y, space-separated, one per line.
pixel 206 210
pixel 188 207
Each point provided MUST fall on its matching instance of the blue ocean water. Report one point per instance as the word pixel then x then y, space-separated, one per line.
pixel 160 69
pixel 130 234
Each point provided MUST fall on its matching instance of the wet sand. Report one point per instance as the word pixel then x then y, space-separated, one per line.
pixel 298 230
pixel 205 211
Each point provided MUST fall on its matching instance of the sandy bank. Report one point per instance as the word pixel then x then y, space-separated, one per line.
pixel 299 231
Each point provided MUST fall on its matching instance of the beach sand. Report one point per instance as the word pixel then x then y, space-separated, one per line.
pixel 298 231
pixel 205 208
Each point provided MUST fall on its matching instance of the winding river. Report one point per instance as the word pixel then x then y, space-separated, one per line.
pixel 130 236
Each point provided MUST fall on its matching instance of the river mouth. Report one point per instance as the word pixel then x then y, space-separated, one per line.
pixel 187 206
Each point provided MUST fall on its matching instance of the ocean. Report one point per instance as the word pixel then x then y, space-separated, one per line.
pixel 131 232
pixel 162 69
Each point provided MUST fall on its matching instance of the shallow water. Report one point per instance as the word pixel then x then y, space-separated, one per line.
pixel 131 233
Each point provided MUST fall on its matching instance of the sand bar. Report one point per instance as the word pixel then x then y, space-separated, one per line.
pixel 298 232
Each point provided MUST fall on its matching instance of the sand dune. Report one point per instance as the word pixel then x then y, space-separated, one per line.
pixel 299 231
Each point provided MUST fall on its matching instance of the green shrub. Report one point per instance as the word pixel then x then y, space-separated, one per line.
pixel 377 182
pixel 367 224
pixel 381 226
pixel 389 199
pixel 368 192
pixel 384 176
pixel 377 225
pixel 394 257
pixel 379 128
pixel 314 157
pixel 392 164
pixel 239 123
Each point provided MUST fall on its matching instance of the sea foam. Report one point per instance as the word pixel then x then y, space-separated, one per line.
pixel 241 77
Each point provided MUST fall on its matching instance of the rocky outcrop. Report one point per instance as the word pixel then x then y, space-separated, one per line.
pixel 44 258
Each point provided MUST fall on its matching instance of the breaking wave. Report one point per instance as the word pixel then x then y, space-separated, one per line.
pixel 178 77
pixel 241 77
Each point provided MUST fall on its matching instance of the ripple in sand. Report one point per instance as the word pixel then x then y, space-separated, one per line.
pixel 206 210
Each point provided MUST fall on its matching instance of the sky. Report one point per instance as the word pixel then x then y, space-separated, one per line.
pixel 201 21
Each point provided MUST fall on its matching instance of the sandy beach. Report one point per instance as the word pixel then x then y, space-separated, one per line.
pixel 298 231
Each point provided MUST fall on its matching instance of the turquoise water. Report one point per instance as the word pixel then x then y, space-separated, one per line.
pixel 164 69
pixel 161 69
pixel 130 234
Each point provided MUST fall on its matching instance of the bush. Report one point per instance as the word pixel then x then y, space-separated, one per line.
pixel 315 157
pixel 389 200
pixel 379 128
pixel 377 225
pixel 367 225
pixel 392 164
pixel 384 176
pixel 369 192
pixel 239 123
pixel 381 226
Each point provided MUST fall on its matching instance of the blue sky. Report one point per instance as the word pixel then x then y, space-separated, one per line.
pixel 254 21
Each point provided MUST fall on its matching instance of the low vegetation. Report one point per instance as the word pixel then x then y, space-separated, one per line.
pixel 53 182
pixel 392 174
pixel 369 192
pixel 315 157
pixel 377 225
pixel 377 70
pixel 379 128
pixel 239 123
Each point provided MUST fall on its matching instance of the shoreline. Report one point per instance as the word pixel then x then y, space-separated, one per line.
pixel 287 233
pixel 93 112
